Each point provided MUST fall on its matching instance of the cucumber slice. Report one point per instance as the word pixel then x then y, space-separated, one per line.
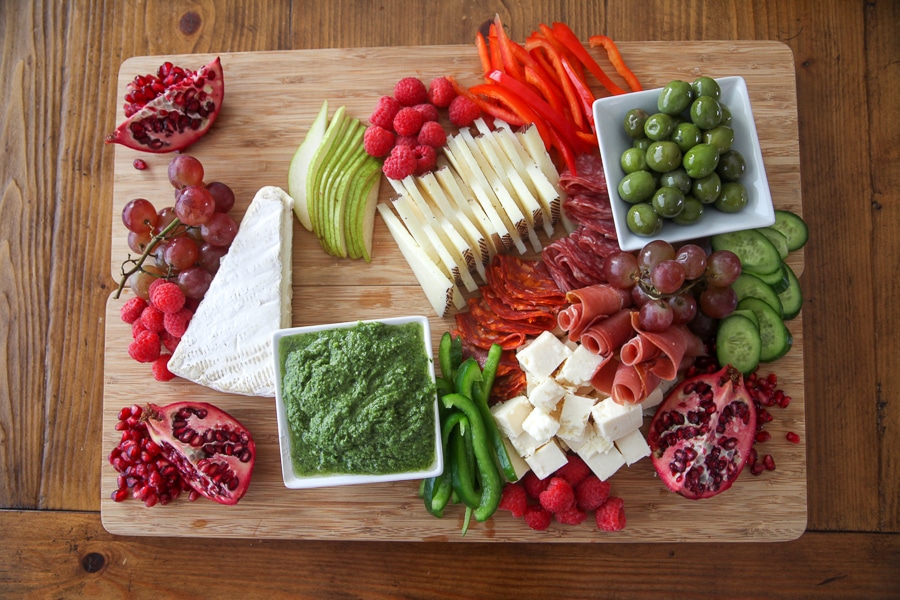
pixel 777 279
pixel 738 343
pixel 793 227
pixel 792 297
pixel 775 339
pixel 748 285
pixel 778 240
pixel 758 255
pixel 746 312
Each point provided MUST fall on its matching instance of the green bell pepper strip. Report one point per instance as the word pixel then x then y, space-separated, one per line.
pixel 491 482
pixel 481 400
pixel 461 475
pixel 468 377
pixel 436 494
pixel 445 358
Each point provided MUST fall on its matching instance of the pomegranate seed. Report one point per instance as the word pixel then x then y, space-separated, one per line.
pixel 769 462
pixel 139 164
pixel 763 436
pixel 793 437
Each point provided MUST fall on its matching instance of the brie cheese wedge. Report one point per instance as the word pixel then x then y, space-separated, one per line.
pixel 228 343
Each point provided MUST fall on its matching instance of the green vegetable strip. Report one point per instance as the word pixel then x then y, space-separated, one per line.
pixel 468 377
pixel 490 369
pixel 491 483
pixel 461 475
pixel 481 400
pixel 444 358
pixel 436 494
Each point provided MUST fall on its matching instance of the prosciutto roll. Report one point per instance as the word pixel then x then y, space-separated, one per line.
pixel 605 336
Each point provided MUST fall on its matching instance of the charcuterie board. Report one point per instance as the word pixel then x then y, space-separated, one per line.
pixel 271 99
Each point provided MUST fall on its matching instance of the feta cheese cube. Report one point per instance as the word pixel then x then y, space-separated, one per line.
pixel 511 414
pixel 594 442
pixel 574 416
pixel 633 447
pixel 579 368
pixel 542 356
pixel 546 460
pixel 546 395
pixel 540 425
pixel 524 444
pixel 518 464
pixel 614 420
pixel 605 464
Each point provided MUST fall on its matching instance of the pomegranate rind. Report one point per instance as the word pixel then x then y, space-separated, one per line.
pixel 194 460
pixel 155 127
pixel 676 449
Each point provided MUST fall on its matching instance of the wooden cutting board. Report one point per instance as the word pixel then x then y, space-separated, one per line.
pixel 271 99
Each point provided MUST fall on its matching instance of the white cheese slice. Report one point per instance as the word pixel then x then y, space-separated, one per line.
pixel 580 367
pixel 615 420
pixel 228 344
pixel 605 464
pixel 593 442
pixel 574 416
pixel 524 444
pixel 543 355
pixel 633 447
pixel 546 395
pixel 547 459
pixel 540 425
pixel 510 415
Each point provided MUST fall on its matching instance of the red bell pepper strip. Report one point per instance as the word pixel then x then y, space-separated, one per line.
pixel 489 108
pixel 510 64
pixel 584 94
pixel 564 82
pixel 514 103
pixel 494 46
pixel 568 38
pixel 616 59
pixel 547 89
pixel 483 54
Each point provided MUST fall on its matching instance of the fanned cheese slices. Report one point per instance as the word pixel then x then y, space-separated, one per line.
pixel 228 344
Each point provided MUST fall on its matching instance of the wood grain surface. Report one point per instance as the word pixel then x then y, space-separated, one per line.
pixel 58 99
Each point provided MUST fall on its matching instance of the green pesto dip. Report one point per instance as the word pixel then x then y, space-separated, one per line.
pixel 359 400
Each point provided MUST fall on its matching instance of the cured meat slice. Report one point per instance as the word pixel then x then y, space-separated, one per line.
pixel 586 207
pixel 520 312
pixel 605 374
pixel 589 177
pixel 515 278
pixel 633 383
pixel 572 267
pixel 481 311
pixel 590 304
pixel 593 242
pixel 664 351
pixel 605 336
pixel 476 334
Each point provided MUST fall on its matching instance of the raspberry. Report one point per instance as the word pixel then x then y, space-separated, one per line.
pixel 591 493
pixel 537 518
pixel 175 324
pixel 169 341
pixel 432 134
pixel 571 516
pixel 409 141
pixel 533 485
pixel 463 111
pixel 136 328
pixel 385 111
pixel 441 92
pixel 155 284
pixel 429 111
pixel 378 141
pixel 160 368
pixel 514 499
pixel 611 516
pixel 409 91
pixel 131 310
pixel 145 347
pixel 574 471
pixel 408 121
pixel 426 159
pixel 400 164
pixel 558 496
pixel 152 318
pixel 167 297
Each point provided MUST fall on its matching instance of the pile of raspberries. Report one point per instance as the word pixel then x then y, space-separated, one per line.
pixel 404 129
pixel 568 496
pixel 157 325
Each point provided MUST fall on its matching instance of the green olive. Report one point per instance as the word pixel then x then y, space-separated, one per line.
pixel 733 199
pixel 686 135
pixel 642 143
pixel 700 161
pixel 668 202
pixel 677 178
pixel 706 112
pixel 707 189
pixel 706 86
pixel 659 126
pixel 636 187
pixel 663 156
pixel 726 114
pixel 722 137
pixel 634 122
pixel 675 97
pixel 731 165
pixel 633 160
pixel 691 213
pixel 643 220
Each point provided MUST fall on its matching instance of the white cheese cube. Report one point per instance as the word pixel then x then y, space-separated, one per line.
pixel 531 382
pixel 594 442
pixel 574 416
pixel 511 414
pixel 605 464
pixel 542 356
pixel 579 368
pixel 614 420
pixel 540 426
pixel 524 444
pixel 546 395
pixel 518 464
pixel 633 447
pixel 546 460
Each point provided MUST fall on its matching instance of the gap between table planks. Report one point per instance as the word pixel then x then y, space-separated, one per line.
pixel 271 99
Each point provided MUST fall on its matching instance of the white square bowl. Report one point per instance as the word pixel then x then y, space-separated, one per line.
pixel 294 481
pixel 609 114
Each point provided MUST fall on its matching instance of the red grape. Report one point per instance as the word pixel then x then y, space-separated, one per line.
pixel 621 270
pixel 210 256
pixel 181 253
pixel 655 252
pixel 656 316
pixel 185 170
pixel 222 194
pixel 194 282
pixel 639 296
pixel 138 242
pixel 718 302
pixel 684 308
pixel 722 268
pixel 667 276
pixel 195 205
pixel 219 230
pixel 693 258
pixel 139 215
pixel 140 281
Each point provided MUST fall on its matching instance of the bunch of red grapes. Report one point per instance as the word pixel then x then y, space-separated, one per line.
pixel 683 286
pixel 181 243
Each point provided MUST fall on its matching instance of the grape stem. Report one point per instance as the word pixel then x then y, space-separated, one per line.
pixel 654 294
pixel 139 262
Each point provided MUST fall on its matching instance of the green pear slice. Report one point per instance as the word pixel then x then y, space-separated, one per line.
pixel 341 194
pixel 318 163
pixel 339 160
pixel 359 215
pixel 300 165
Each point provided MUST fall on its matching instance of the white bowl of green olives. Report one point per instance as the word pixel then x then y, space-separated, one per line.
pixel 683 161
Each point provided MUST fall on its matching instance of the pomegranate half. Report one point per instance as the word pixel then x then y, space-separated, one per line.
pixel 213 452
pixel 171 110
pixel 702 434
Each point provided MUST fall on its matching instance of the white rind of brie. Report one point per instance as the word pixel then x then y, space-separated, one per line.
pixel 228 343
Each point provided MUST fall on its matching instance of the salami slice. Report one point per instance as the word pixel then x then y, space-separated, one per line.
pixel 476 334
pixel 537 317
pixel 570 266
pixel 605 336
pixel 516 278
pixel 589 177
pixel 587 207
pixel 482 313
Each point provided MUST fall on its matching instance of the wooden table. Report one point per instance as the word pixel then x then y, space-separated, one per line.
pixel 59 70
